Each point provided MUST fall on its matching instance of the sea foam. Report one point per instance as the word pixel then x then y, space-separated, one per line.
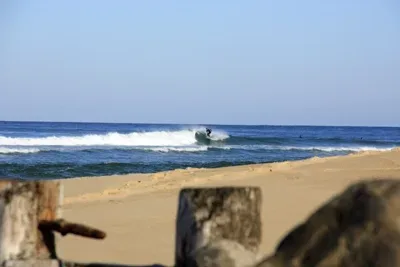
pixel 6 150
pixel 156 138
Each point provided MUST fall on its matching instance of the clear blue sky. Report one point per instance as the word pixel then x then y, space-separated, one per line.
pixel 230 62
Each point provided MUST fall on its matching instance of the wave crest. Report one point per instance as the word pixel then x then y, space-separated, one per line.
pixel 6 150
pixel 157 138
pixel 178 149
pixel 333 149
pixel 304 148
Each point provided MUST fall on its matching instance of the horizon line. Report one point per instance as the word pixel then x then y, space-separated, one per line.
pixel 211 124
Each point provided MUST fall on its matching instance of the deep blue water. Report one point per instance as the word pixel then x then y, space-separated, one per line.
pixel 56 150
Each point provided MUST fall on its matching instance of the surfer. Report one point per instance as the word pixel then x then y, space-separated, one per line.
pixel 208 132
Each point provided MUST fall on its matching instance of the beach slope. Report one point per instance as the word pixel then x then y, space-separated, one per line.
pixel 138 211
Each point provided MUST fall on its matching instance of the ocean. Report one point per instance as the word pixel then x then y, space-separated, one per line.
pixel 32 150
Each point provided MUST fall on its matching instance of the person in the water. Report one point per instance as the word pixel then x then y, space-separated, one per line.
pixel 208 132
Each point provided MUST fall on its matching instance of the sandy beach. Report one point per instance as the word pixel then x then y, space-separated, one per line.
pixel 138 211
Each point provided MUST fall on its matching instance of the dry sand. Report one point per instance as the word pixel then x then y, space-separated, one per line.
pixel 138 211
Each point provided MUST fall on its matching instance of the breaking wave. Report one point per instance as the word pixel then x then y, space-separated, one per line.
pixel 333 149
pixel 300 148
pixel 157 138
pixel 202 148
pixel 6 150
pixel 178 149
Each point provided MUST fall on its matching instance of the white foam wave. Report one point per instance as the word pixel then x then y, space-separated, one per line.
pixel 158 138
pixel 5 150
pixel 333 149
pixel 219 135
pixel 310 148
pixel 178 149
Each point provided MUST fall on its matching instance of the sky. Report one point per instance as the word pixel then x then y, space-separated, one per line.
pixel 284 62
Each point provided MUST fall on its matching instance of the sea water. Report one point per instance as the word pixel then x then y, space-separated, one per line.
pixel 32 150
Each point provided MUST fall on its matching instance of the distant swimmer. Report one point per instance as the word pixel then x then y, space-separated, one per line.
pixel 208 132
